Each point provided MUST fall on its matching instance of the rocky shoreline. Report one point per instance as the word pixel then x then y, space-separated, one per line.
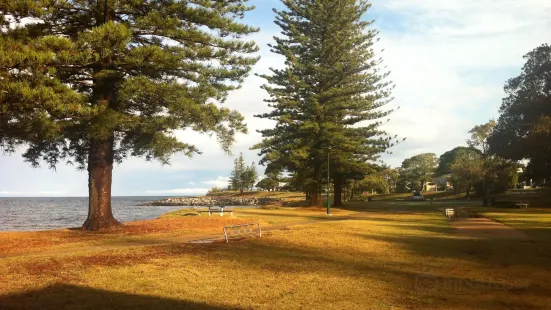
pixel 212 201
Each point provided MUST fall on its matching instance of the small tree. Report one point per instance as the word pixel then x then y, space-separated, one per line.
pixel 268 184
pixel 250 176
pixel 467 170
pixel 237 180
pixel 391 176
pixel 375 182
pixel 501 175
pixel 480 135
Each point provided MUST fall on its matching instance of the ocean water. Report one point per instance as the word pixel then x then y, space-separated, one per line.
pixel 42 213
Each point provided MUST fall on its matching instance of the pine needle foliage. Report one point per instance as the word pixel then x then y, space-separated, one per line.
pixel 71 73
pixel 92 82
pixel 331 94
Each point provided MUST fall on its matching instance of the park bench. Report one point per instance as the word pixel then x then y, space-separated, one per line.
pixel 521 205
pixel 212 210
pixel 449 213
pixel 458 213
pixel 242 231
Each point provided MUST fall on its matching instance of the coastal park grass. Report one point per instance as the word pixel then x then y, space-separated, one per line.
pixel 368 255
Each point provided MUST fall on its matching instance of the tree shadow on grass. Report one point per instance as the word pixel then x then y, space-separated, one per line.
pixel 63 296
pixel 405 285
pixel 492 252
pixel 391 207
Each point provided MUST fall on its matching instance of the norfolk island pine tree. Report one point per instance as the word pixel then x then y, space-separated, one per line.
pixel 93 82
pixel 329 95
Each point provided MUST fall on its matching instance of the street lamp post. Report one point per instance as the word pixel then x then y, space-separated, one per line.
pixel 328 202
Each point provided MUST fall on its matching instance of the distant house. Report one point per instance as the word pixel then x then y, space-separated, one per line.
pixel 440 182
pixel 282 186
pixel 430 187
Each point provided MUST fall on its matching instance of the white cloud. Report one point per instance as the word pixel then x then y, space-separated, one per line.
pixel 33 193
pixel 450 62
pixel 219 182
pixel 180 191
pixel 10 193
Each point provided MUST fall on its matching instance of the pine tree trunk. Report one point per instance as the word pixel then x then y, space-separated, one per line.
pixel 315 192
pixel 315 198
pixel 337 188
pixel 100 171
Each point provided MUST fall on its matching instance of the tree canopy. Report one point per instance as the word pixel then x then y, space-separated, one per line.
pixel 523 128
pixel 243 176
pixel 448 158
pixel 94 82
pixel 467 169
pixel 418 170
pixel 480 135
pixel 329 98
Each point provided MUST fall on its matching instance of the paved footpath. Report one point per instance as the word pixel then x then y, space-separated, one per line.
pixel 482 227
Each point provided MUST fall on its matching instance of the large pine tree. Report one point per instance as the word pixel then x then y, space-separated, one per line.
pixel 329 96
pixel 92 82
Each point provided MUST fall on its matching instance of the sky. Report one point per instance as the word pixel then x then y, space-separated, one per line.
pixel 449 60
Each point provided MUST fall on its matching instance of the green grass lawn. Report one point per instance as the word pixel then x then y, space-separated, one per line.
pixel 372 255
pixel 535 222
pixel 427 195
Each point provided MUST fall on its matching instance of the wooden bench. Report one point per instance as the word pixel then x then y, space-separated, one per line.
pixel 521 205
pixel 216 210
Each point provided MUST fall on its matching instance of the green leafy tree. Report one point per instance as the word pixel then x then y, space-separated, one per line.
pixel 467 169
pixel 268 184
pixel 346 166
pixel 250 176
pixel 419 169
pixel 94 82
pixel 501 175
pixel 391 176
pixel 523 130
pixel 480 135
pixel 271 181
pixel 448 158
pixel 375 182
pixel 329 88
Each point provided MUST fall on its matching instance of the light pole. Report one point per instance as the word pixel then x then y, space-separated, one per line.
pixel 328 202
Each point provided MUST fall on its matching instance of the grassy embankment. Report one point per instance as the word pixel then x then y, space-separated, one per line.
pixel 395 256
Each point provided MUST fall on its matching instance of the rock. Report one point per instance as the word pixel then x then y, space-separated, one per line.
pixel 212 201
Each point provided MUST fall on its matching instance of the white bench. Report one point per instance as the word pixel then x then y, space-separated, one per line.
pixel 450 213
pixel 521 205
pixel 216 210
